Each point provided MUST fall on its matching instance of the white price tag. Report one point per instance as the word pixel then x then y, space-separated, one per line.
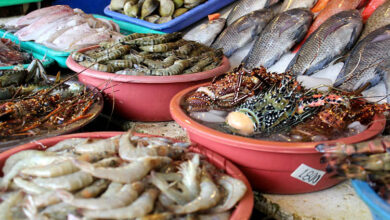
pixel 308 175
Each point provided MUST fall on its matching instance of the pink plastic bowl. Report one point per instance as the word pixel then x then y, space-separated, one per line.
pixel 267 164
pixel 142 98
pixel 243 209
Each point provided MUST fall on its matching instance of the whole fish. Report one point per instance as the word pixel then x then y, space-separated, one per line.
pixel 332 7
pixel 371 7
pixel 378 19
pixel 384 69
pixel 333 38
pixel 321 4
pixel 242 31
pixel 244 7
pixel 291 4
pixel 279 36
pixel 361 68
pixel 206 33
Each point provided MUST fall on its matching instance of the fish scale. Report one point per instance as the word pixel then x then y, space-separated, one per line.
pixel 335 36
pixel 291 4
pixel 244 7
pixel 379 18
pixel 279 36
pixel 242 31
pixel 361 66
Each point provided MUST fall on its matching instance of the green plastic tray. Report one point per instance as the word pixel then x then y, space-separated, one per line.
pixel 61 56
pixel 16 2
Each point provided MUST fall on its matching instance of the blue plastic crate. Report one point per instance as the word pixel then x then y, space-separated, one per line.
pixel 379 208
pixel 88 6
pixel 179 22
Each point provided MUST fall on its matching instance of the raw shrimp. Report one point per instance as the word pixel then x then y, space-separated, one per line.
pixel 126 174
pixel 29 187
pixel 129 152
pixel 36 160
pixel 209 196
pixel 114 54
pixel 120 64
pixel 42 200
pixel 94 189
pixel 67 145
pixel 177 68
pixel 235 190
pixel 57 211
pixel 99 146
pixel 163 47
pixel 140 207
pixel 108 162
pixel 13 159
pixel 97 66
pixel 175 195
pixel 112 189
pixel 190 171
pixel 51 170
pixel 81 57
pixel 5 207
pixel 126 195
pixel 134 36
pixel 69 182
pixel 152 40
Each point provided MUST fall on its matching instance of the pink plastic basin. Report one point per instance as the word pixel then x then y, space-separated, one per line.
pixel 267 164
pixel 142 98
pixel 243 209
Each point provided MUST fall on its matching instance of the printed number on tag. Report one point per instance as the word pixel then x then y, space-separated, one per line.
pixel 308 175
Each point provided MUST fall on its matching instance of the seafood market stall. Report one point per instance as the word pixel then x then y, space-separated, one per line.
pixel 196 109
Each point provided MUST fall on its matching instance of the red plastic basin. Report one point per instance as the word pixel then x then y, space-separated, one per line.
pixel 142 98
pixel 267 164
pixel 243 209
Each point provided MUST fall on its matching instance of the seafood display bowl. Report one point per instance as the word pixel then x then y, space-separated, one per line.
pixel 242 210
pixel 270 166
pixel 142 98
pixel 379 208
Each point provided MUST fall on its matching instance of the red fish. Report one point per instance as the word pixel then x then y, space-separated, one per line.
pixel 332 8
pixel 371 7
pixel 321 4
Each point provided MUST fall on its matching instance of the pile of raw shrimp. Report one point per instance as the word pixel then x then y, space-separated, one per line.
pixel 123 177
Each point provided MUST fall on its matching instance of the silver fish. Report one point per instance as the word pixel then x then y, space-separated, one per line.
pixel 291 4
pixel 206 33
pixel 384 69
pixel 378 19
pixel 244 7
pixel 278 37
pixel 242 31
pixel 361 68
pixel 333 38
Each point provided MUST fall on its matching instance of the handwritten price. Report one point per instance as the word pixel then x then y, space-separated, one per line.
pixel 308 175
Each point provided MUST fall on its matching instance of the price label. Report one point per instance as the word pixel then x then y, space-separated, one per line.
pixel 308 175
